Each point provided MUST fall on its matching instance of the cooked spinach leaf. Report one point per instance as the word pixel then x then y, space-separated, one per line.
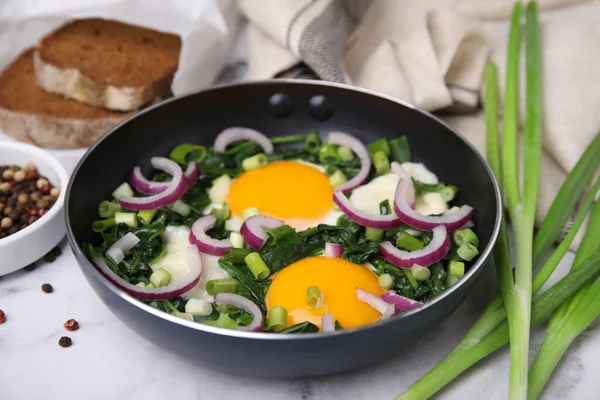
pixel 248 288
pixel 303 327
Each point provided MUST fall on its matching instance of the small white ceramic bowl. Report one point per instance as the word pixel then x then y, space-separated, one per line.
pixel 33 242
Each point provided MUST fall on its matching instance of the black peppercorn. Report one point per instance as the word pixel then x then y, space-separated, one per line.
pixel 47 288
pixel 30 267
pixel 65 341
pixel 57 251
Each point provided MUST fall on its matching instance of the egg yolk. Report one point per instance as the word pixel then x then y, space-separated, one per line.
pixel 287 190
pixel 337 279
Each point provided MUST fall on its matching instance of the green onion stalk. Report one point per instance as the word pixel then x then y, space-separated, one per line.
pixel 491 332
pixel 573 316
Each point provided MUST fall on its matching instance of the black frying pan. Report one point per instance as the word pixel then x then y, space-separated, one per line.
pixel 280 108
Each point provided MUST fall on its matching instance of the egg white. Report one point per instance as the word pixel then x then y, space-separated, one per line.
pixel 368 196
pixel 175 261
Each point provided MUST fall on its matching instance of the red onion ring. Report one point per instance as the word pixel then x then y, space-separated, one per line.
pixel 403 174
pixel 236 133
pixel 469 224
pixel 141 184
pixel 333 250
pixel 433 252
pixel 327 323
pixel 205 243
pixel 400 302
pixel 257 324
pixel 386 309
pixel 117 251
pixel 254 230
pixel 344 139
pixel 170 291
pixel 451 220
pixel 370 220
pixel 174 191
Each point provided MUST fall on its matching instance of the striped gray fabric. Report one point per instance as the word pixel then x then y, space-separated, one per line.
pixel 322 42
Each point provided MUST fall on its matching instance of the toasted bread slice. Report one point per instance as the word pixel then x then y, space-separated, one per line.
pixel 29 114
pixel 107 64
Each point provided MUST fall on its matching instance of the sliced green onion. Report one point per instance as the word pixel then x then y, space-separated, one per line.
pixel 448 193
pixel 463 236
pixel 456 268
pixel 250 212
pixel 409 242
pixel 234 225
pixel 345 153
pixel 386 281
pixel 224 321
pixel 160 277
pixel 254 162
pixel 312 142
pixel 183 315
pixel 237 256
pixel 127 218
pixel 451 280
pixel 107 209
pixel 198 307
pixel 277 319
pixel 237 241
pixel 400 150
pixel 420 273
pixel 124 190
pixel 221 213
pixel 328 154
pixel 147 216
pixel 287 139
pixel 184 153
pixel 281 233
pixel 220 189
pixel 374 234
pixel 227 285
pixel 150 285
pixel 337 178
pixel 381 163
pixel 257 266
pixel 181 208
pixel 380 145
pixel 314 297
pixel 103 224
pixel 467 251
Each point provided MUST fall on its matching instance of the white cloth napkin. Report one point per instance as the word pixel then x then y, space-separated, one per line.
pixel 432 53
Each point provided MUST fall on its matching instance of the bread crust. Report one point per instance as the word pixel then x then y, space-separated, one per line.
pixel 71 83
pixel 54 133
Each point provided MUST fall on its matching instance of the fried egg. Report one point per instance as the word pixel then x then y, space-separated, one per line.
pixel 176 239
pixel 337 279
pixel 298 193
pixel 367 197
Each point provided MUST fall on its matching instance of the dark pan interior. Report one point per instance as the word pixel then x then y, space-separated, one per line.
pixel 198 117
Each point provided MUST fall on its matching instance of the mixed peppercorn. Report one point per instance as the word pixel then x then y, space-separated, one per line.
pixel 25 196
